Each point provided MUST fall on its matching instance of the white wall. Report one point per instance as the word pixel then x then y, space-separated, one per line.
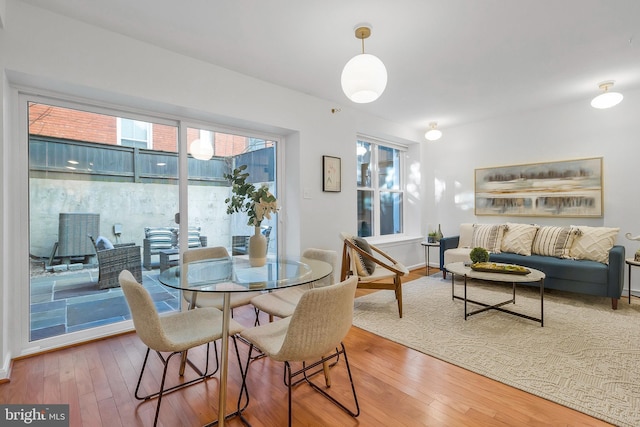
pixel 561 133
pixel 45 51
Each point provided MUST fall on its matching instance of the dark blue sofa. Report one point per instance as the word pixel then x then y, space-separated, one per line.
pixel 580 276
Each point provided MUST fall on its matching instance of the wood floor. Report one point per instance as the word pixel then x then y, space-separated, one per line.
pixel 396 386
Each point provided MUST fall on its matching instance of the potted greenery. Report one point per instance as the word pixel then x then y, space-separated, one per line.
pixel 479 254
pixel 258 203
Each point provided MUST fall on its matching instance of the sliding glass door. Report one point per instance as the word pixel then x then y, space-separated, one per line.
pixel 105 195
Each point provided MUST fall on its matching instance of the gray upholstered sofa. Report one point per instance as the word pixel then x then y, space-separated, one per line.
pixel 574 275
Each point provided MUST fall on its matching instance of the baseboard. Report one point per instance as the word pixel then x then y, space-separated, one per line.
pixel 5 372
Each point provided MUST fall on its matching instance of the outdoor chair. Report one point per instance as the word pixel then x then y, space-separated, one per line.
pixel 112 261
pixel 158 239
pixel 374 268
pixel 312 336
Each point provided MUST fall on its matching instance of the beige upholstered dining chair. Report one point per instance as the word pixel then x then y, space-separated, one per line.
pixel 210 299
pixel 374 268
pixel 313 333
pixel 282 303
pixel 173 333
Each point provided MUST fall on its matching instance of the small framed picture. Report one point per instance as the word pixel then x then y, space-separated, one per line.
pixel 331 173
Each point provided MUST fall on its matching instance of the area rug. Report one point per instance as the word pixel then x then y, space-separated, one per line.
pixel 586 357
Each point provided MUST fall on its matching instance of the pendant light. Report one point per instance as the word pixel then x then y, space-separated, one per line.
pixel 201 150
pixel 606 99
pixel 364 77
pixel 433 134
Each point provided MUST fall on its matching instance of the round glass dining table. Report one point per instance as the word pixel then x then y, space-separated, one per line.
pixel 235 274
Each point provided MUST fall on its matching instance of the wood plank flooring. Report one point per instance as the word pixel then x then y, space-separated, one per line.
pixel 396 386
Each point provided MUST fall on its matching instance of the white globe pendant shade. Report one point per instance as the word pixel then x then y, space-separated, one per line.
pixel 606 99
pixel 201 150
pixel 364 78
pixel 433 134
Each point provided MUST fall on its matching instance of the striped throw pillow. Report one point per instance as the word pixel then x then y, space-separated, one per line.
pixel 553 241
pixel 488 236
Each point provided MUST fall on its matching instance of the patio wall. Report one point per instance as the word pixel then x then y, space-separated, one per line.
pixel 134 205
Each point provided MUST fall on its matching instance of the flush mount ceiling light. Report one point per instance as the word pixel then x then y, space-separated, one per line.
pixel 201 150
pixel 606 99
pixel 433 134
pixel 364 78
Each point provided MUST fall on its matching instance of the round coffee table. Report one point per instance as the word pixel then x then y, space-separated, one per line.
pixel 461 269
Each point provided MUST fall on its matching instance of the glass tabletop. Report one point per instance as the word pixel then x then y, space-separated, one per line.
pixel 235 274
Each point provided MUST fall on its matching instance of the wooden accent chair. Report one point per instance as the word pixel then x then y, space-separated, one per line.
pixel 374 268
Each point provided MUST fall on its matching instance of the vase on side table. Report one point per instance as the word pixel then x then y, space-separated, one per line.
pixel 257 249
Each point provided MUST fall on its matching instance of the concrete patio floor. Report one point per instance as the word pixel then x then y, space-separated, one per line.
pixel 70 301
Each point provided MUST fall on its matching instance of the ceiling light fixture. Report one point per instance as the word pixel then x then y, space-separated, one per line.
pixel 433 134
pixel 201 150
pixel 606 99
pixel 364 77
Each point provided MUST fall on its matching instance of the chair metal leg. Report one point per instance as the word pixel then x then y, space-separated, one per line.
pixel 202 377
pixel 290 382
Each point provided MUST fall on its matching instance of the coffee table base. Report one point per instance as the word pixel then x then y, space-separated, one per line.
pixel 497 306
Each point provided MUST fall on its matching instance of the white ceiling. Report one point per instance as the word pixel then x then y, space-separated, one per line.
pixel 450 61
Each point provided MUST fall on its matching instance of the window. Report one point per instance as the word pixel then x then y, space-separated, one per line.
pixel 134 133
pixel 380 191
pixel 93 172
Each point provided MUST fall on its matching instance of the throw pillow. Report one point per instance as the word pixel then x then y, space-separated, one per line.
pixel 593 243
pixel 102 243
pixel 518 238
pixel 364 266
pixel 488 236
pixel 553 241
pixel 159 237
pixel 466 235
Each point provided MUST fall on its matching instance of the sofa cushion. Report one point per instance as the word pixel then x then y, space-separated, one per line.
pixel 466 235
pixel 559 268
pixel 193 237
pixel 457 255
pixel 159 237
pixel 102 243
pixel 553 241
pixel 518 238
pixel 593 243
pixel 488 236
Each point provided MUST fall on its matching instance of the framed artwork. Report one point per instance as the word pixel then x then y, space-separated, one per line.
pixel 331 173
pixel 569 188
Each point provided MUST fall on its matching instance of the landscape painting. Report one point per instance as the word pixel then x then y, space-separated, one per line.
pixel 570 188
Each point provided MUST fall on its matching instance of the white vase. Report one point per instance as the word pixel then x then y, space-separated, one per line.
pixel 257 249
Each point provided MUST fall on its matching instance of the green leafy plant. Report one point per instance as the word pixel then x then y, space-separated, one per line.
pixel 479 254
pixel 258 203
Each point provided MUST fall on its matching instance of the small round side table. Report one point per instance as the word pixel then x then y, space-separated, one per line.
pixel 631 262
pixel 428 245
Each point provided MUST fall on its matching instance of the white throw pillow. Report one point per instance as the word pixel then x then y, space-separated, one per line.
pixel 518 238
pixel 553 241
pixel 488 236
pixel 593 243
pixel 466 235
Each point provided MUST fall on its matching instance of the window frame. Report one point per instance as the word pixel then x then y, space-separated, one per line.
pixel 149 130
pixel 374 186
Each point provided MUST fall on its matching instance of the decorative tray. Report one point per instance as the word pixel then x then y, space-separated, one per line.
pixel 492 267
